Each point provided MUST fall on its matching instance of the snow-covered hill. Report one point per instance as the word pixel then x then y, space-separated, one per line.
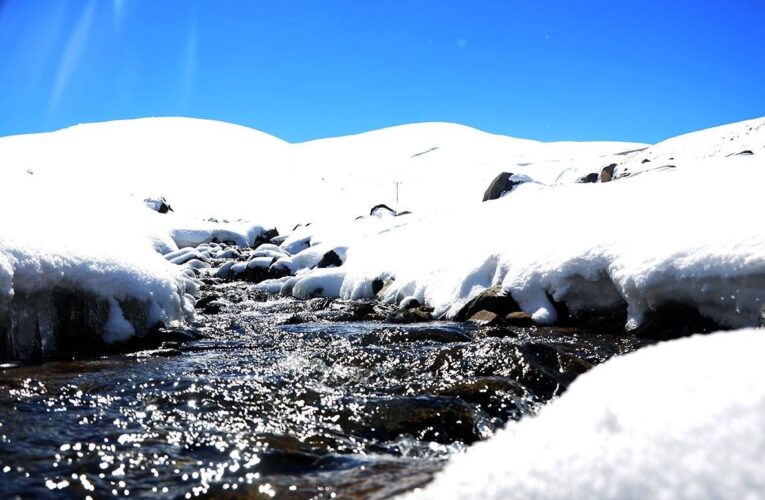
pixel 214 169
pixel 681 232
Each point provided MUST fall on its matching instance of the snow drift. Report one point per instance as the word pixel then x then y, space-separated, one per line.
pixel 77 268
pixel 681 419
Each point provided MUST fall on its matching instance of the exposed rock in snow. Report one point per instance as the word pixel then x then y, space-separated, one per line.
pixel 681 419
pixel 158 205
pixel 502 184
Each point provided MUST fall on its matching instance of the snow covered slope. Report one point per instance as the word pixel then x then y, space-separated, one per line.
pixel 682 419
pixel 213 169
pixel 685 233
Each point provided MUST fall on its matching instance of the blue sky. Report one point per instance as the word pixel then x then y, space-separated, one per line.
pixel 303 69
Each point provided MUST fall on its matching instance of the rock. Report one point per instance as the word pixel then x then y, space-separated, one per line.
pixel 158 205
pixel 416 315
pixel 380 294
pixel 484 318
pixel 409 303
pixel 382 210
pixel 607 174
pixel 278 240
pixel 330 259
pixel 646 161
pixel 265 237
pixel 492 299
pixel 504 183
pixel 589 178
pixel 673 321
pixel 202 303
pixel 519 318
pixel 405 212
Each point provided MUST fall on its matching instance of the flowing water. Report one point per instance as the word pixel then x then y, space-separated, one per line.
pixel 278 398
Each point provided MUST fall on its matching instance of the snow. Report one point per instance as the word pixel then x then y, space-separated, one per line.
pixel 55 241
pixel 688 427
pixel 684 234
pixel 205 168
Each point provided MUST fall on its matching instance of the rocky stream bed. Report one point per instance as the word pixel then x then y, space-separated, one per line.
pixel 270 396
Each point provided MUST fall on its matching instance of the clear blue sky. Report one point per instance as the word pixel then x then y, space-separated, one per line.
pixel 303 69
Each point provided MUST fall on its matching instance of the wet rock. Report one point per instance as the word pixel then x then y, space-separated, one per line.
pixel 432 418
pixel 415 315
pixel 503 183
pixel 492 299
pixel 519 318
pixel 330 259
pixel 497 396
pixel 672 321
pixel 409 303
pixel 589 178
pixel 607 174
pixel 484 318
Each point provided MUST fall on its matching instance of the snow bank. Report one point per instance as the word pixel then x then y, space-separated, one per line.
pixel 681 419
pixel 683 235
pixel 58 246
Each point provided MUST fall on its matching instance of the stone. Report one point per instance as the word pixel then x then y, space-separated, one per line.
pixel 503 183
pixel 158 205
pixel 492 299
pixel 519 318
pixel 484 318
pixel 607 174
pixel 589 178
pixel 673 321
pixel 382 209
pixel 383 287
pixel 416 315
pixel 330 259
pixel 409 303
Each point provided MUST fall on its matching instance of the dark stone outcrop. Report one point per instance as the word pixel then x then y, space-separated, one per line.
pixel 414 315
pixel 673 321
pixel 492 299
pixel 607 174
pixel 589 178
pixel 330 259
pixel 158 205
pixel 381 209
pixel 502 184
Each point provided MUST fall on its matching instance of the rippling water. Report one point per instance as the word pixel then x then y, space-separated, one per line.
pixel 261 407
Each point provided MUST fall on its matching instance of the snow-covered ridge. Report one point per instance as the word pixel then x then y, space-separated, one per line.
pixel 682 233
pixel 682 419
pixel 214 169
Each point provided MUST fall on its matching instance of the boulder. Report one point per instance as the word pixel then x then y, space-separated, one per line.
pixel 519 318
pixel 607 174
pixel 382 210
pixel 415 315
pixel 409 303
pixel 380 288
pixel 673 321
pixel 158 205
pixel 492 299
pixel 503 183
pixel 330 259
pixel 484 318
pixel 589 178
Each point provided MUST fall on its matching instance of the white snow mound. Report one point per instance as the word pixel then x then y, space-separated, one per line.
pixel 681 419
